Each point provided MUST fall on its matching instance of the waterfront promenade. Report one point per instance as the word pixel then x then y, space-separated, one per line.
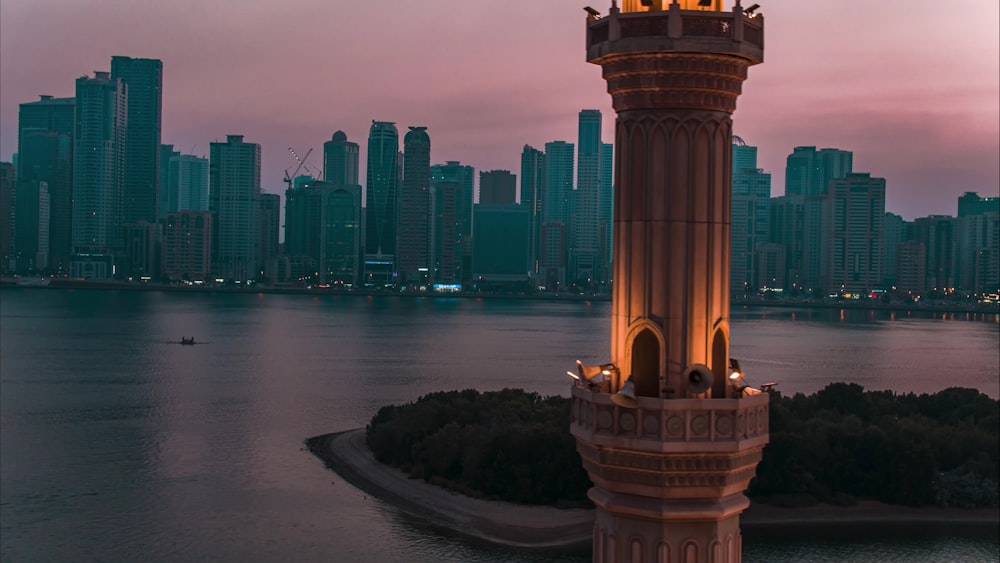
pixel 943 306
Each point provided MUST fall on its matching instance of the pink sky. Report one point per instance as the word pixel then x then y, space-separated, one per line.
pixel 913 88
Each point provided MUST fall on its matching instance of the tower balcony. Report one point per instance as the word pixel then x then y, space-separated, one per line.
pixel 735 33
pixel 670 448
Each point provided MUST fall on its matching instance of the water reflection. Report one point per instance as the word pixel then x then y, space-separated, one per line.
pixel 176 453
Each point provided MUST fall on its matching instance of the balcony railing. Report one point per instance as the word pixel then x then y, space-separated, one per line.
pixel 688 24
pixel 661 424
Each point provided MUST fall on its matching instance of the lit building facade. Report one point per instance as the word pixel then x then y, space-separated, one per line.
pixel 670 466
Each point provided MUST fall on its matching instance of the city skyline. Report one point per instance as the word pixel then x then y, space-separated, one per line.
pixel 921 113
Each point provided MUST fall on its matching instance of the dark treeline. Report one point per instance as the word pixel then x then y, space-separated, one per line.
pixel 837 445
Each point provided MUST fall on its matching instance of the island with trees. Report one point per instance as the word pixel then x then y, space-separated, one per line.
pixel 837 446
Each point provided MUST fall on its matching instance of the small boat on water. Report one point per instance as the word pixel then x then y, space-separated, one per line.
pixel 187 341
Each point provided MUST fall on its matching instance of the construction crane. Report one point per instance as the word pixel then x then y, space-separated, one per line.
pixel 290 179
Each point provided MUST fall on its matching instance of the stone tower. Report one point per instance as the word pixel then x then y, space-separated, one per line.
pixel 669 468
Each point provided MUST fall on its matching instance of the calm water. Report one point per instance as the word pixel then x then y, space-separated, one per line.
pixel 117 445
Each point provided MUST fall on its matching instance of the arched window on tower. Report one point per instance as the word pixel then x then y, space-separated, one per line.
pixel 720 365
pixel 646 364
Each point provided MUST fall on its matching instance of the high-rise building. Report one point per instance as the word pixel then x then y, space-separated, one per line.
pixel 976 244
pixel 605 214
pixel 187 245
pixel 7 195
pixel 323 232
pixel 911 268
pixel 743 245
pixel 669 438
pixel 340 160
pixel 555 236
pixel 45 154
pixel 500 246
pixel 855 215
pixel 414 209
pixel 381 204
pixel 937 234
pixel 268 231
pixel 808 171
pixel 585 204
pixel 446 240
pixel 183 181
pixel 532 190
pixel 751 194
pixel 497 187
pixel 340 239
pixel 895 231
pixel 143 80
pixel 234 200
pixel 98 175
pixel 786 229
pixel 462 177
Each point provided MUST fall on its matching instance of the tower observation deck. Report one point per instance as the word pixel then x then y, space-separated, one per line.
pixel 670 467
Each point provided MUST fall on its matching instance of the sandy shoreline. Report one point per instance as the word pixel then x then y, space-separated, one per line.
pixel 541 527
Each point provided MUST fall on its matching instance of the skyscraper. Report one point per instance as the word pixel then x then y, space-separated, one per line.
pixel 187 245
pixel 808 173
pixel 532 189
pixel 894 232
pixel 340 160
pixel 554 238
pixel 460 178
pixel 381 204
pixel 937 234
pixel 854 219
pixel 183 181
pixel 414 209
pixel 7 174
pixel 45 154
pixel 98 175
pixel 234 199
pixel 606 212
pixel 977 247
pixel 268 231
pixel 497 187
pixel 585 260
pixel 751 195
pixel 143 80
